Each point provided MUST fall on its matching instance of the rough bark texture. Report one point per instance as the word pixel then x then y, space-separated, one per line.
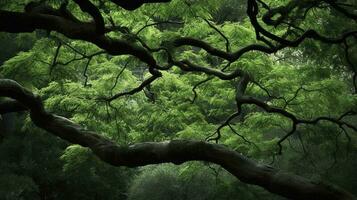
pixel 176 151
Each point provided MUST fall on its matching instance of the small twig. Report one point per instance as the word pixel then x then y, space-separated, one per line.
pixel 220 33
pixel 54 62
pixel 133 91
pixel 158 23
pixel 117 77
pixel 198 84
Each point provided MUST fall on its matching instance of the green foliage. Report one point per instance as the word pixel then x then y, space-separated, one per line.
pixel 314 77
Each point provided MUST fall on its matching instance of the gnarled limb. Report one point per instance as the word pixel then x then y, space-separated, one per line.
pixel 9 106
pixel 176 151
pixel 91 9
pixel 16 22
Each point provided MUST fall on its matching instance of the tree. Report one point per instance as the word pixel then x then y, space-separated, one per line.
pixel 160 40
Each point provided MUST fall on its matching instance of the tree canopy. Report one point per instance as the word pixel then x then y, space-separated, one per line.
pixel 265 90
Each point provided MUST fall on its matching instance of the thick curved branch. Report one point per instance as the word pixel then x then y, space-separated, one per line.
pixel 282 12
pixel 9 106
pixel 231 57
pixel 92 10
pixel 16 22
pixel 252 11
pixel 176 151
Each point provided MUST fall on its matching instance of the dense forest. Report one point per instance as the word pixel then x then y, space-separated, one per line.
pixel 178 99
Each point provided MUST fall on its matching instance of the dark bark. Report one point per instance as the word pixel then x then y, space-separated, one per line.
pixel 16 22
pixel 176 151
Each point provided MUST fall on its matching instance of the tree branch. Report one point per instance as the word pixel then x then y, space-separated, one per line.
pixel 91 9
pixel 9 106
pixel 176 151
pixel 16 22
